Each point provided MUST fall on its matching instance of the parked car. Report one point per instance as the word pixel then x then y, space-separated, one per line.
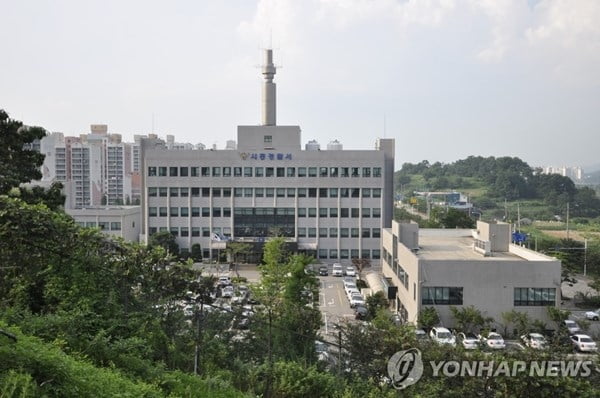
pixel 493 340
pixel 421 334
pixel 356 299
pixel 571 326
pixel 227 291
pixel 351 291
pixel 584 343
pixel 350 271
pixel 337 270
pixel 441 335
pixel 468 340
pixel 224 281
pixel 534 340
pixel 360 312
pixel 593 315
pixel 323 271
pixel 350 286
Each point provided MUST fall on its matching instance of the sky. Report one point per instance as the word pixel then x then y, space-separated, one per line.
pixel 446 78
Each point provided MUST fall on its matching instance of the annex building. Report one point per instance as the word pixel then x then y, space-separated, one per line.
pixel 329 203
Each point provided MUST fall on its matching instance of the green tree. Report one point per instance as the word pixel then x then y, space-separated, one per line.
pixel 518 320
pixel 375 303
pixel 470 319
pixel 196 252
pixel 166 240
pixel 428 318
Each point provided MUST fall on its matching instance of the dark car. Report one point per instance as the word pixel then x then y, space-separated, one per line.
pixel 360 312
pixel 323 271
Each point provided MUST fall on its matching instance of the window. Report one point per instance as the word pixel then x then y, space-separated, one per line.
pixel 344 212
pixel 237 171
pixel 301 212
pixel 377 192
pixel 205 232
pixel 184 211
pixel 366 212
pixel 205 171
pixel 355 172
pixel 312 211
pixel 323 171
pixel 333 253
pixel 323 192
pixel 206 212
pixel 366 232
pixel 195 192
pixel 376 212
pixel 270 192
pixel 333 192
pixel 259 172
pixel 442 295
pixel 528 296
pixel 366 192
pixel 226 211
pixel 355 192
pixel 345 172
pixel 366 172
pixel 184 231
pixel 291 172
pixel 195 171
pixel 163 192
pixel 376 171
pixel 291 192
pixel 344 232
pixel 333 232
pixel 354 253
pixel 152 171
pixel 216 192
pixel 322 212
pixel 312 171
pixel 312 232
pixel 226 171
pixel 376 233
pixel 152 230
pixel 195 212
pixel 152 212
pixel 344 254
pixel 280 172
pixel 195 231
pixel 247 192
pixel 355 212
pixel 216 172
pixel 184 192
pixel 205 192
pixel 312 192
pixel 152 191
pixel 322 232
pixel 162 171
pixel 237 192
pixel 173 192
pixel 376 254
pixel 301 171
pixel 269 172
pixel 302 192
pixel 333 172
pixel 354 232
pixel 322 253
pixel 216 212
pixel 247 171
pixel 174 231
pixel 302 232
pixel 227 192
pixel 162 211
pixel 281 192
pixel 174 212
pixel 259 192
pixel 183 171
pixel 333 212
pixel 365 253
pixel 268 139
pixel 344 192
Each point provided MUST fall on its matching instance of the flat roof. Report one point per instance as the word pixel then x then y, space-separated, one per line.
pixel 456 247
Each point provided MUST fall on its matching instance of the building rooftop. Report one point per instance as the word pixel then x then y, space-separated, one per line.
pixel 456 247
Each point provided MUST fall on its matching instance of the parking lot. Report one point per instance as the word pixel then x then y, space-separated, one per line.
pixel 333 303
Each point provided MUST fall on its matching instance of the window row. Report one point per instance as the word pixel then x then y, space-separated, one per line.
pixel 185 211
pixel 194 231
pixel 334 254
pixel 103 225
pixel 206 192
pixel 341 232
pixel 529 296
pixel 173 171
pixel 442 295
pixel 343 212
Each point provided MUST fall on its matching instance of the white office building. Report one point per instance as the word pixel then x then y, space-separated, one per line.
pixel 329 203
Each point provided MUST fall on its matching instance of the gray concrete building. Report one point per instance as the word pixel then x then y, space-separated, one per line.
pixel 329 203
pixel 457 267
pixel 122 221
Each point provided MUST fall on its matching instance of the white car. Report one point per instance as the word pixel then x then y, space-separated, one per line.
pixel 350 285
pixel 356 299
pixel 468 340
pixel 571 326
pixel 351 291
pixel 593 315
pixel 442 335
pixel 584 343
pixel 420 334
pixel 493 340
pixel 534 340
pixel 350 271
pixel 227 291
pixel 337 270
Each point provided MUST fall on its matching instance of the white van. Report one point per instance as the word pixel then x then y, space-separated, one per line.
pixel 337 270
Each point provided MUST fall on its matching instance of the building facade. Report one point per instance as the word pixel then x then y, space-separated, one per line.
pixel 441 268
pixel 331 203
pixel 121 221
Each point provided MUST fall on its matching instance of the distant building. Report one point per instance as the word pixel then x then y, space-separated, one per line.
pixel 121 221
pixel 441 268
pixel 575 173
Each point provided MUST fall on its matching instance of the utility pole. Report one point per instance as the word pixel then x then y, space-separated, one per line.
pixel 567 220
pixel 340 351
pixel 585 257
